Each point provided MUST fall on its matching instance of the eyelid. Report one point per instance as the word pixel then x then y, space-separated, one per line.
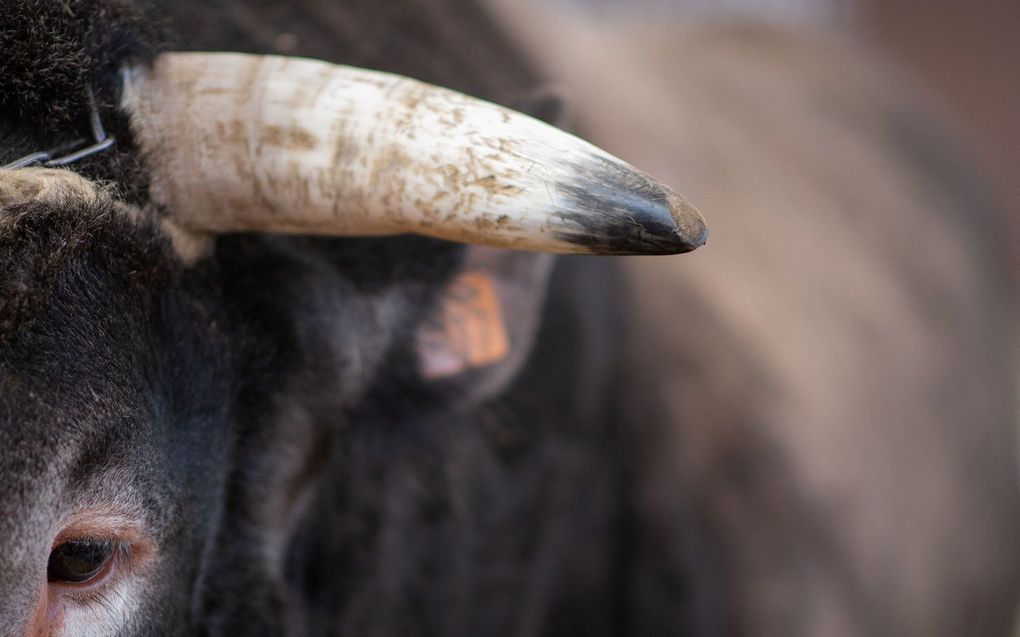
pixel 100 526
pixel 86 539
pixel 123 531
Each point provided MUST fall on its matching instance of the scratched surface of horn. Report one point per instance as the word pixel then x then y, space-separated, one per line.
pixel 261 143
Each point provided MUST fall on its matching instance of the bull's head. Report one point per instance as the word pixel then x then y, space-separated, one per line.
pixel 141 360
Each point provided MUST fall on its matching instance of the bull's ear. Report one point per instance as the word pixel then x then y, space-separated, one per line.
pixel 483 328
pixel 485 323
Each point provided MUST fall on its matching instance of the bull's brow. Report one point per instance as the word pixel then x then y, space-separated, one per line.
pixel 101 482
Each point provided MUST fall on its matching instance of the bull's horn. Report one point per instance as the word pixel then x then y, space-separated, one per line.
pixel 261 143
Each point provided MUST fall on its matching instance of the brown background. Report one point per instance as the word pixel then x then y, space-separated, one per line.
pixel 968 54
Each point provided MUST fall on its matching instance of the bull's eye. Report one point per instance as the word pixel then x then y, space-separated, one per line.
pixel 78 561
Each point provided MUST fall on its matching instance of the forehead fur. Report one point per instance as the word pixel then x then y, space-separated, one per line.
pixel 55 50
pixel 45 229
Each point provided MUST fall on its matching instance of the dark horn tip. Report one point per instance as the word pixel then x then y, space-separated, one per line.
pixel 615 209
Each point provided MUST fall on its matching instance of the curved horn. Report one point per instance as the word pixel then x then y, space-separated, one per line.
pixel 275 144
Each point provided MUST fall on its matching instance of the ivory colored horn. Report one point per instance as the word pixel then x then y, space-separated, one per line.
pixel 239 142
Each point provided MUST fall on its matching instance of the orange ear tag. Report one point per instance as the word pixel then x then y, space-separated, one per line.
pixel 468 332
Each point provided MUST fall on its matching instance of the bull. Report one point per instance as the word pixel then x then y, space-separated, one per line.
pixel 266 363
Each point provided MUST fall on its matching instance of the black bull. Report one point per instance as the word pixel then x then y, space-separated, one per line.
pixel 258 433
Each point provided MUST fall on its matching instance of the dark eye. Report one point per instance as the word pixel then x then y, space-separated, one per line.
pixel 78 561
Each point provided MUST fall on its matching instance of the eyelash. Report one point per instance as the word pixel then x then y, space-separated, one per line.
pixel 87 599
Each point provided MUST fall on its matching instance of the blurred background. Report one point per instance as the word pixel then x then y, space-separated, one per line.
pixel 841 359
pixel 962 54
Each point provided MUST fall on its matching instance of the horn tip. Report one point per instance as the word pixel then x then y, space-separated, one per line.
pixel 691 229
pixel 615 209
